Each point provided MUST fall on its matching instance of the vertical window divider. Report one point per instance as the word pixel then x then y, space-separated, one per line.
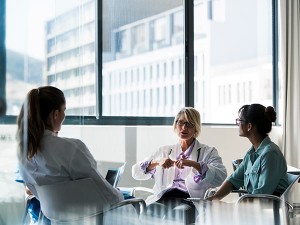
pixel 189 52
pixel 98 56
pixel 275 57
pixel 3 49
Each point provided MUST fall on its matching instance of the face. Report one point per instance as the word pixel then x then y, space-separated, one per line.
pixel 185 130
pixel 243 126
pixel 59 117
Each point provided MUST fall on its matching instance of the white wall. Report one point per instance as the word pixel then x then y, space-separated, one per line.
pixel 112 145
pixel 119 143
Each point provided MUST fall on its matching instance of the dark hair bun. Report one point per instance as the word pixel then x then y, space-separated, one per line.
pixel 270 113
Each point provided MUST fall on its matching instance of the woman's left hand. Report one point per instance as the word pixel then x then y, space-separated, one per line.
pixel 181 163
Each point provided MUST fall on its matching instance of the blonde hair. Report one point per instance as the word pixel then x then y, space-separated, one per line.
pixel 192 116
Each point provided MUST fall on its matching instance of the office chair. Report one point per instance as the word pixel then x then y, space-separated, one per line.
pixel 267 201
pixel 81 202
pixel 235 164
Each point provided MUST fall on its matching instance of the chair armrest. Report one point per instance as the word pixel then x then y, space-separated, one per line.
pixel 240 191
pixel 264 197
pixel 258 196
pixel 132 190
pixel 138 203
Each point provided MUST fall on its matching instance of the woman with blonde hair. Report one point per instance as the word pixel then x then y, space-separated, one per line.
pixel 185 169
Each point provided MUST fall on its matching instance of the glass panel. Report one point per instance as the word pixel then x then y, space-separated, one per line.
pixel 142 58
pixel 51 42
pixel 233 57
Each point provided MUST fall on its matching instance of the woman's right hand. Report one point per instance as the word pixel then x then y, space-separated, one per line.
pixel 167 163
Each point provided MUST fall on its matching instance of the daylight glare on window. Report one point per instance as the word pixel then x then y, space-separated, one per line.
pixel 133 63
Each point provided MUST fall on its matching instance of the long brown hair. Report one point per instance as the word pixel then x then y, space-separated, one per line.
pixel 33 118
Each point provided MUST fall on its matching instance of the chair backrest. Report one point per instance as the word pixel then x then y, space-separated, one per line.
pixel 236 163
pixel 293 179
pixel 70 200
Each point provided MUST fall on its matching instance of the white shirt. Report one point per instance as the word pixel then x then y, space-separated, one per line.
pixel 63 159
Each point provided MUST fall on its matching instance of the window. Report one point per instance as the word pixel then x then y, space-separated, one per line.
pixel 238 53
pixel 136 60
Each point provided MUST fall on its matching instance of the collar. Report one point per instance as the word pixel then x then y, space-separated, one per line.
pixel 262 146
pixel 188 152
pixel 49 132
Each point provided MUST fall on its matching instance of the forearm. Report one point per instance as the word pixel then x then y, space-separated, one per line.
pixel 224 190
pixel 196 166
pixel 152 165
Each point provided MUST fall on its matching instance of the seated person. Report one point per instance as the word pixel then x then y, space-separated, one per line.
pixel 45 158
pixel 185 169
pixel 263 169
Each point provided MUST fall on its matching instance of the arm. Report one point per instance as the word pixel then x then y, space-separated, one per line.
pixel 234 181
pixel 215 172
pixel 146 169
pixel 189 163
pixel 83 164
pixel 224 190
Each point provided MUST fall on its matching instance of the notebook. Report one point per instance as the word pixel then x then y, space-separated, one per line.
pixel 113 175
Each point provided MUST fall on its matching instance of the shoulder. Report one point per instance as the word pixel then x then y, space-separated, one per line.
pixel 271 152
pixel 204 147
pixel 271 148
pixel 168 147
pixel 63 142
pixel 72 141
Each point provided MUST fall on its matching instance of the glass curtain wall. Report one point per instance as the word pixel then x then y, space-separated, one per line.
pixel 141 66
pixel 233 57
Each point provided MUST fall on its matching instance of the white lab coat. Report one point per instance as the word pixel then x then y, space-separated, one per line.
pixel 163 178
pixel 62 159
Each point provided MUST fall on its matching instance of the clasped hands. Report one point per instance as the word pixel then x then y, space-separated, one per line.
pixel 180 163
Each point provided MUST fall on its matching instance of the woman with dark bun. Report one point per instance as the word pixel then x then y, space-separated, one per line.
pixel 263 169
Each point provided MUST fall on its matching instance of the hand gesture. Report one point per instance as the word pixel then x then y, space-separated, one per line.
pixel 167 163
pixel 181 163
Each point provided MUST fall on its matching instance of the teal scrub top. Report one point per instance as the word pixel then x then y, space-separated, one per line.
pixel 263 171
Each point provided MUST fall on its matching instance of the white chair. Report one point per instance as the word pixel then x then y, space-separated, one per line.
pixel 80 202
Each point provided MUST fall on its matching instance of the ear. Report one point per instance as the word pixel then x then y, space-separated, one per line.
pixel 55 114
pixel 249 126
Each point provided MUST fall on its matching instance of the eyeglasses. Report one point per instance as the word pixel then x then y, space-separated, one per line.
pixel 186 124
pixel 238 121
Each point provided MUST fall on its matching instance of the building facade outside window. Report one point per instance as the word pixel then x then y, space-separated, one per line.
pixel 141 69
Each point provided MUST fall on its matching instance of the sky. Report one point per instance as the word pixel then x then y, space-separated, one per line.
pixel 25 23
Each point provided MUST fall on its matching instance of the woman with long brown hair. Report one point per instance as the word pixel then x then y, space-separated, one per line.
pixel 46 158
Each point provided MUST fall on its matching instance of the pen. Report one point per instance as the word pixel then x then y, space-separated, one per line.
pixel 170 151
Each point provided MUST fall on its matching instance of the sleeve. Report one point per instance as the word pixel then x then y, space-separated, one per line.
pixel 200 175
pixel 83 164
pixel 216 172
pixel 237 177
pixel 139 169
pixel 269 177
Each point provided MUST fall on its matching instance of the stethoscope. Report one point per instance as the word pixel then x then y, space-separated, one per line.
pixel 199 149
pixel 198 154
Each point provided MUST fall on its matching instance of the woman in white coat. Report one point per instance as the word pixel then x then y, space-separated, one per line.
pixel 185 169
pixel 45 158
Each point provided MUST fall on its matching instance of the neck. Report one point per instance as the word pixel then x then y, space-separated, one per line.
pixel 186 143
pixel 256 141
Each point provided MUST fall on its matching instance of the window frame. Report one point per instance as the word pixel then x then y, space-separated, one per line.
pixel 134 120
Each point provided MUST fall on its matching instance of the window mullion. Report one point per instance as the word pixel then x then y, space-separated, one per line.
pixel 189 52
